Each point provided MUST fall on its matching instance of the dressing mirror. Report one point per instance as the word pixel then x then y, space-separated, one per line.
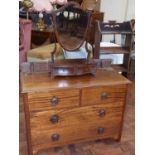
pixel 71 25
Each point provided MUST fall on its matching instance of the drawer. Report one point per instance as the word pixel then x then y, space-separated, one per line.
pixel 84 132
pixel 48 120
pixel 53 100
pixel 106 94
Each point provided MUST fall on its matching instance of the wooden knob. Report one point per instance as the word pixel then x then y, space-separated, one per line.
pixel 55 137
pixel 102 113
pixel 54 119
pixel 100 130
pixel 54 101
pixel 104 95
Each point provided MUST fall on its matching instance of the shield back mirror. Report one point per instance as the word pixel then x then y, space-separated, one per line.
pixel 70 26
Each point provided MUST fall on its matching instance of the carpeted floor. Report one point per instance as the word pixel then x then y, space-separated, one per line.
pixel 104 147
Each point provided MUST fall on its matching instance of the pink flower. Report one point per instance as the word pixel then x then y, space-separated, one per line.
pixel 45 5
pixel 60 2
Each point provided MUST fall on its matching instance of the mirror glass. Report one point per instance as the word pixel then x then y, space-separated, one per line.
pixel 70 26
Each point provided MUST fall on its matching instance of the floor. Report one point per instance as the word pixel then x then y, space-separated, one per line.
pixel 105 147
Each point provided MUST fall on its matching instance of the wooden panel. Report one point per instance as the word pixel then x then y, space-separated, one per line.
pixel 42 82
pixel 93 95
pixel 40 121
pixel 78 108
pixel 84 132
pixel 91 33
pixel 27 119
pixel 42 101
pixel 113 50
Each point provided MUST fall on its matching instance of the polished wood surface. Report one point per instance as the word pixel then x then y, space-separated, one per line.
pixel 27 120
pixel 78 134
pixel 104 95
pixel 42 100
pixel 41 121
pixel 96 111
pixel 106 146
pixel 69 67
pixel 73 67
pixel 70 135
pixel 44 82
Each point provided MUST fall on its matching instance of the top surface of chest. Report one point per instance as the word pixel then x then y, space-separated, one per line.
pixel 43 82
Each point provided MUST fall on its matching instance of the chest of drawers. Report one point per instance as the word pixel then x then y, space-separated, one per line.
pixel 67 110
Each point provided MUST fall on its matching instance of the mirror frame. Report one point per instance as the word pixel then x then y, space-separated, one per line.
pixel 54 13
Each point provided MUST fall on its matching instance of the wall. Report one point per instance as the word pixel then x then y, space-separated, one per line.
pixel 130 10
pixel 119 10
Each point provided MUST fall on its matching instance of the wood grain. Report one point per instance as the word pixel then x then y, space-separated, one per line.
pixel 78 109
pixel 41 82
pixel 40 121
pixel 93 95
pixel 42 100
pixel 77 134
pixel 28 127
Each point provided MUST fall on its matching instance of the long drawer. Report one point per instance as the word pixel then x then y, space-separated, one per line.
pixel 84 132
pixel 54 119
pixel 41 101
pixel 105 94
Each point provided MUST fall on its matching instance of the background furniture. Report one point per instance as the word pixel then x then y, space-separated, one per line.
pixel 70 110
pixel 43 53
pixel 124 29
pixel 25 27
pixel 41 38
pixel 132 56
pixel 46 37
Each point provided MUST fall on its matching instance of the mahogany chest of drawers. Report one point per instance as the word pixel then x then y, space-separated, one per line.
pixel 67 110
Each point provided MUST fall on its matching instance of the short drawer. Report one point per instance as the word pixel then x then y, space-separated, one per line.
pixel 53 99
pixel 68 135
pixel 106 94
pixel 54 119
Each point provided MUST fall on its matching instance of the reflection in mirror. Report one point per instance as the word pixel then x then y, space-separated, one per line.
pixel 71 25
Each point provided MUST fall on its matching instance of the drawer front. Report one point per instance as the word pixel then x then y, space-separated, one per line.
pixel 53 100
pixel 61 136
pixel 48 120
pixel 106 94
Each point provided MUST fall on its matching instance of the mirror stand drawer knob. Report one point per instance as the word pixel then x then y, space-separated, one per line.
pixel 54 119
pixel 100 130
pixel 54 101
pixel 55 137
pixel 102 113
pixel 104 95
